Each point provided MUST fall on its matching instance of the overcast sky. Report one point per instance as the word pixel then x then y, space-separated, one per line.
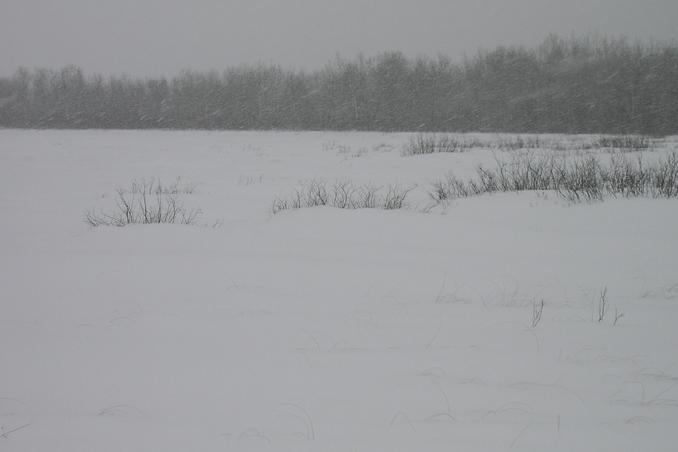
pixel 153 37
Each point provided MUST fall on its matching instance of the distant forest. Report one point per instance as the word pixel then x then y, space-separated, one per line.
pixel 573 85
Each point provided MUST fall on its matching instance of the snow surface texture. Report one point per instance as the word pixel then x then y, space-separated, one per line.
pixel 323 329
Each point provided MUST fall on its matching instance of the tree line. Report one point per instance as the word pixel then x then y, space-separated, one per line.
pixel 567 85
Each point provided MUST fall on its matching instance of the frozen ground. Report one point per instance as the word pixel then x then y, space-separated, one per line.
pixel 323 329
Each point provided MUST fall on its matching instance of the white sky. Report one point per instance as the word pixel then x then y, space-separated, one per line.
pixel 154 37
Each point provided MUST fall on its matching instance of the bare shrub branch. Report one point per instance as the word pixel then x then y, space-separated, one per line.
pixel 602 304
pixel 537 311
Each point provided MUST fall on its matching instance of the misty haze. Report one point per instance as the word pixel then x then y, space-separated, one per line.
pixel 356 226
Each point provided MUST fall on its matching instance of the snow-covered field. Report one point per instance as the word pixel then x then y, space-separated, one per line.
pixel 324 329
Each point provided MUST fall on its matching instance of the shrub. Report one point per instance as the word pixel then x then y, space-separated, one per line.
pixel 624 142
pixel 430 143
pixel 664 179
pixel 343 195
pixel 582 179
pixel 145 203
pixel 513 144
